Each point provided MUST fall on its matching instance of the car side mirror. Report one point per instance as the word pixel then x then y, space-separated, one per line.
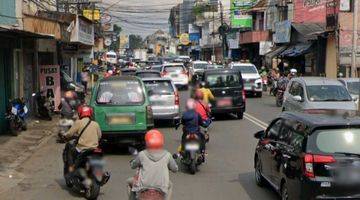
pixel 260 135
pixel 355 98
pixel 297 98
pixel 150 92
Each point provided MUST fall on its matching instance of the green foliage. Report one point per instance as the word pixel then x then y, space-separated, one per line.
pixel 136 42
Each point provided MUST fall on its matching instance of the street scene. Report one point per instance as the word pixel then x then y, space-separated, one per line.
pixel 179 99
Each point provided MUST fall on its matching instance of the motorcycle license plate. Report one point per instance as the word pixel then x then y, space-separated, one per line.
pixel 192 147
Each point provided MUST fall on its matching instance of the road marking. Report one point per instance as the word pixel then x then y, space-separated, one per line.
pixel 256 121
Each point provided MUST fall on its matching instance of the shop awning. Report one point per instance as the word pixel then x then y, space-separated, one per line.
pixel 275 52
pixel 296 50
pixel 310 31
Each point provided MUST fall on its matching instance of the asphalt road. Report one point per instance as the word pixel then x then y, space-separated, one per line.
pixel 227 174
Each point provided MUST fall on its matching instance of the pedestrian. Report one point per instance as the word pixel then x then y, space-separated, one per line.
pixel 85 78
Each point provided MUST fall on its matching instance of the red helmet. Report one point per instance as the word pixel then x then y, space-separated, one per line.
pixel 85 111
pixel 154 139
pixel 199 95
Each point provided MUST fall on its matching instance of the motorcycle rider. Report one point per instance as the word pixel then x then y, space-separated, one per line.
pixel 67 105
pixel 202 108
pixel 153 166
pixel 191 122
pixel 208 95
pixel 86 131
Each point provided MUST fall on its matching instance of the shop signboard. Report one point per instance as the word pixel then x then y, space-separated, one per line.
pixel 184 39
pixel 282 32
pixel 194 37
pixel 265 47
pixel 92 14
pixel 233 40
pixel 310 11
pixel 239 18
pixel 50 82
pixel 83 32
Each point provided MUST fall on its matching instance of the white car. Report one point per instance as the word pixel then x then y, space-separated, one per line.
pixel 198 66
pixel 250 75
pixel 177 73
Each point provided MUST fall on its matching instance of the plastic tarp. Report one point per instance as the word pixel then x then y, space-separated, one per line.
pixel 296 50
pixel 275 52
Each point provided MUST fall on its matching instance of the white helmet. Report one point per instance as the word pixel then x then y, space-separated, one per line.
pixel 293 71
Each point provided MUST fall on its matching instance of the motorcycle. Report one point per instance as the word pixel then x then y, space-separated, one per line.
pixel 43 105
pixel 264 80
pixel 89 175
pixel 191 154
pixel 15 115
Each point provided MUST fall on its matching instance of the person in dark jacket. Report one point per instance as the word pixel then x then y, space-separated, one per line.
pixel 191 122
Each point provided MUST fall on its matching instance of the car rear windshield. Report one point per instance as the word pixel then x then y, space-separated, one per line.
pixel 330 141
pixel 110 56
pixel 247 69
pixel 122 92
pixel 175 68
pixel 200 65
pixel 328 93
pixel 148 75
pixel 354 87
pixel 159 87
pixel 223 80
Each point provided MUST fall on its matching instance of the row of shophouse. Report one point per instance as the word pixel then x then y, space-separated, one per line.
pixel 34 35
pixel 315 37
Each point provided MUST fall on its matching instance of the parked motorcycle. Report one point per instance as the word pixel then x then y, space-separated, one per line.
pixel 88 175
pixel 15 115
pixel 43 105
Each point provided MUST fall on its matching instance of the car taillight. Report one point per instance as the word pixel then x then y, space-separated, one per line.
pixel 316 111
pixel 243 95
pixel 177 98
pixel 310 159
pixel 192 136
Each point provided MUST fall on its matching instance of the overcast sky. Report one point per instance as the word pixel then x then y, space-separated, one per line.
pixel 141 17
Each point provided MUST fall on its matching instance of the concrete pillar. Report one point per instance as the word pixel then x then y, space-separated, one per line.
pixel 331 57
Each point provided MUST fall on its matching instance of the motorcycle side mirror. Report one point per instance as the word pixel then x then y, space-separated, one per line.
pixel 259 135
pixel 150 92
pixel 133 151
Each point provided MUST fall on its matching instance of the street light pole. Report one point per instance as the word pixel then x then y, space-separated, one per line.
pixel 355 38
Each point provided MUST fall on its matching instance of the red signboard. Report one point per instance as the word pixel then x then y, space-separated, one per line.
pixel 310 11
pixel 50 83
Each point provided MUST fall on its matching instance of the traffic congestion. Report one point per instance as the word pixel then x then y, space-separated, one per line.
pixel 179 100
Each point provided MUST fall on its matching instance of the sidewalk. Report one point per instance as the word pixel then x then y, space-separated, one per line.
pixel 15 150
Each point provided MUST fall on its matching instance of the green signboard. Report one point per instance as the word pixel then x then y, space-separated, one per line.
pixel 239 18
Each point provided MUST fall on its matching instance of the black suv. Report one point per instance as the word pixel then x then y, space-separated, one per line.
pixel 307 156
pixel 228 89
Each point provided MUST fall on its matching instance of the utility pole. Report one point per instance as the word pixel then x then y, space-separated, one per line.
pixel 223 35
pixel 355 38
pixel 213 57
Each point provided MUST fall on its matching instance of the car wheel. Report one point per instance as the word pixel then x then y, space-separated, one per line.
pixel 259 179
pixel 240 115
pixel 284 192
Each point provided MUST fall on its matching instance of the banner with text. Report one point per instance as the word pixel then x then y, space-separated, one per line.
pixel 50 83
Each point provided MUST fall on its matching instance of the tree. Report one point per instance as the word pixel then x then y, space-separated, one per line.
pixel 136 42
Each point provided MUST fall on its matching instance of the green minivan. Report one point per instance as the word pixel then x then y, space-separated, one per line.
pixel 122 109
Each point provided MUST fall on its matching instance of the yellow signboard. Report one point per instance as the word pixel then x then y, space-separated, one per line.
pixel 92 14
pixel 184 39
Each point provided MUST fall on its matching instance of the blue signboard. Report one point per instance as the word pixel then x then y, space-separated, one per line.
pixel 194 37
pixel 282 32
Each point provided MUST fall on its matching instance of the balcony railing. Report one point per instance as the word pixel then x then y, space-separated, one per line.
pixel 254 37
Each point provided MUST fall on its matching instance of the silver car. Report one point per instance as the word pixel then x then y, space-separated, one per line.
pixel 353 86
pixel 307 94
pixel 177 73
pixel 164 98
